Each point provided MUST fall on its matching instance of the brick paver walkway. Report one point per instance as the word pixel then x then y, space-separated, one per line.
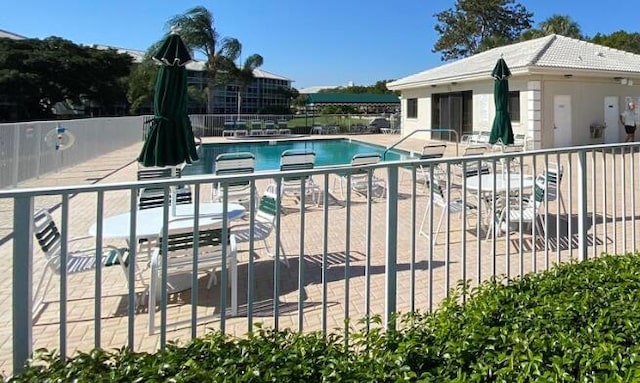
pixel 463 256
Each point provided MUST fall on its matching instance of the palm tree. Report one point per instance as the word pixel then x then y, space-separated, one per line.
pixel 244 76
pixel 561 25
pixel 556 24
pixel 198 32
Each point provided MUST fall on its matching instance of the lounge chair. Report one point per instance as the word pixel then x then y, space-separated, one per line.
pixel 270 128
pixel 360 177
pixel 283 128
pixel 234 163
pixel 78 261
pixel 180 244
pixel 256 128
pixel 293 159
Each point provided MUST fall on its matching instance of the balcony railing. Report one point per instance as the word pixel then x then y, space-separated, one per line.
pixel 352 254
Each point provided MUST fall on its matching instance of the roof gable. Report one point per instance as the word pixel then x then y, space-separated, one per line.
pixel 551 52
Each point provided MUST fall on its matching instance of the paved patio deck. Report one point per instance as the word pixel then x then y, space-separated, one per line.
pixel 449 262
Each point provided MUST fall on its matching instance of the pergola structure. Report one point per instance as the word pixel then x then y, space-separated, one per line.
pixel 317 100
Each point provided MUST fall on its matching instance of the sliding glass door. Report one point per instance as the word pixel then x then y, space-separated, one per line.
pixel 451 111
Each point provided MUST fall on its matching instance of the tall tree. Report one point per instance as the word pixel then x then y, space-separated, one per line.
pixel 141 85
pixel 622 40
pixel 37 74
pixel 196 27
pixel 243 75
pixel 474 26
pixel 556 24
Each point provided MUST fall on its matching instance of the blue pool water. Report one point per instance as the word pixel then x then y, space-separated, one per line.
pixel 328 152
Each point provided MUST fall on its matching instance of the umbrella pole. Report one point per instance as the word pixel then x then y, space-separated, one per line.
pixel 174 193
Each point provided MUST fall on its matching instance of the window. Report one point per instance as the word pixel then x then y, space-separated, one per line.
pixel 412 108
pixel 514 105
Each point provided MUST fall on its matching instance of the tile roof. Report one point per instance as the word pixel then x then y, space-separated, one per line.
pixel 10 35
pixel 553 53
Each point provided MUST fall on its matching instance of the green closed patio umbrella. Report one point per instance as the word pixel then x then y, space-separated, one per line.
pixel 170 140
pixel 501 129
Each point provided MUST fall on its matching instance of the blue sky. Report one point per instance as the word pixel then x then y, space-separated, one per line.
pixel 313 43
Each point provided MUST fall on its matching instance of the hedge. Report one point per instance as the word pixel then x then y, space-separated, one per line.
pixel 575 323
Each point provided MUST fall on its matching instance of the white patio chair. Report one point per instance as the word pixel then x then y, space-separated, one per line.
pixel 294 159
pixel 553 176
pixel 263 226
pixel 516 209
pixel 471 168
pixel 234 163
pixel 360 178
pixel 448 206
pixel 151 197
pixel 180 244
pixel 429 151
pixel 514 162
pixel 78 261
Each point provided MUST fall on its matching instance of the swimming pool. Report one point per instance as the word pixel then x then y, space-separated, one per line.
pixel 328 152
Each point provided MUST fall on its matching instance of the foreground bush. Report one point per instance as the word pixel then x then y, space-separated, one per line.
pixel 575 323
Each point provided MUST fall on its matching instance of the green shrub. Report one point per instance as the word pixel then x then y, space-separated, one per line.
pixel 575 323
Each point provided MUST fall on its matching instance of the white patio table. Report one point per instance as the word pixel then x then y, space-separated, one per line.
pixel 490 186
pixel 149 221
pixel 149 224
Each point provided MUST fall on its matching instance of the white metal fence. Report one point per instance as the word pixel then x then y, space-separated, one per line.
pixel 28 150
pixel 348 257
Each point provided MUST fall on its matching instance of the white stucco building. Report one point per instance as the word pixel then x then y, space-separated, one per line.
pixel 559 88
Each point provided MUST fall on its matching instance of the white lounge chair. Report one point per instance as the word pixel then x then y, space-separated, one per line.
pixel 293 159
pixel 360 178
pixel 234 163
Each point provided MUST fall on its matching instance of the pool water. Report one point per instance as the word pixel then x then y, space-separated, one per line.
pixel 328 152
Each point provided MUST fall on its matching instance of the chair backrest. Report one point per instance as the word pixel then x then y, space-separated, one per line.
pixel 183 239
pixel 433 151
pixel 180 243
pixel 474 150
pixel 538 190
pixel 365 159
pixel 512 148
pixel 46 233
pixel 361 159
pixel 235 163
pixel 484 137
pixel 553 176
pixel 153 172
pixel 553 173
pixel 520 139
pixel 268 206
pixel 293 159
pixel 151 197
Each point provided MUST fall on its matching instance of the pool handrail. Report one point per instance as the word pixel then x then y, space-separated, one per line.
pixel 384 154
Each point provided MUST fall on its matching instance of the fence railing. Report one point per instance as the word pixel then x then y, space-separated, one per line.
pixel 339 250
pixel 208 125
pixel 29 150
